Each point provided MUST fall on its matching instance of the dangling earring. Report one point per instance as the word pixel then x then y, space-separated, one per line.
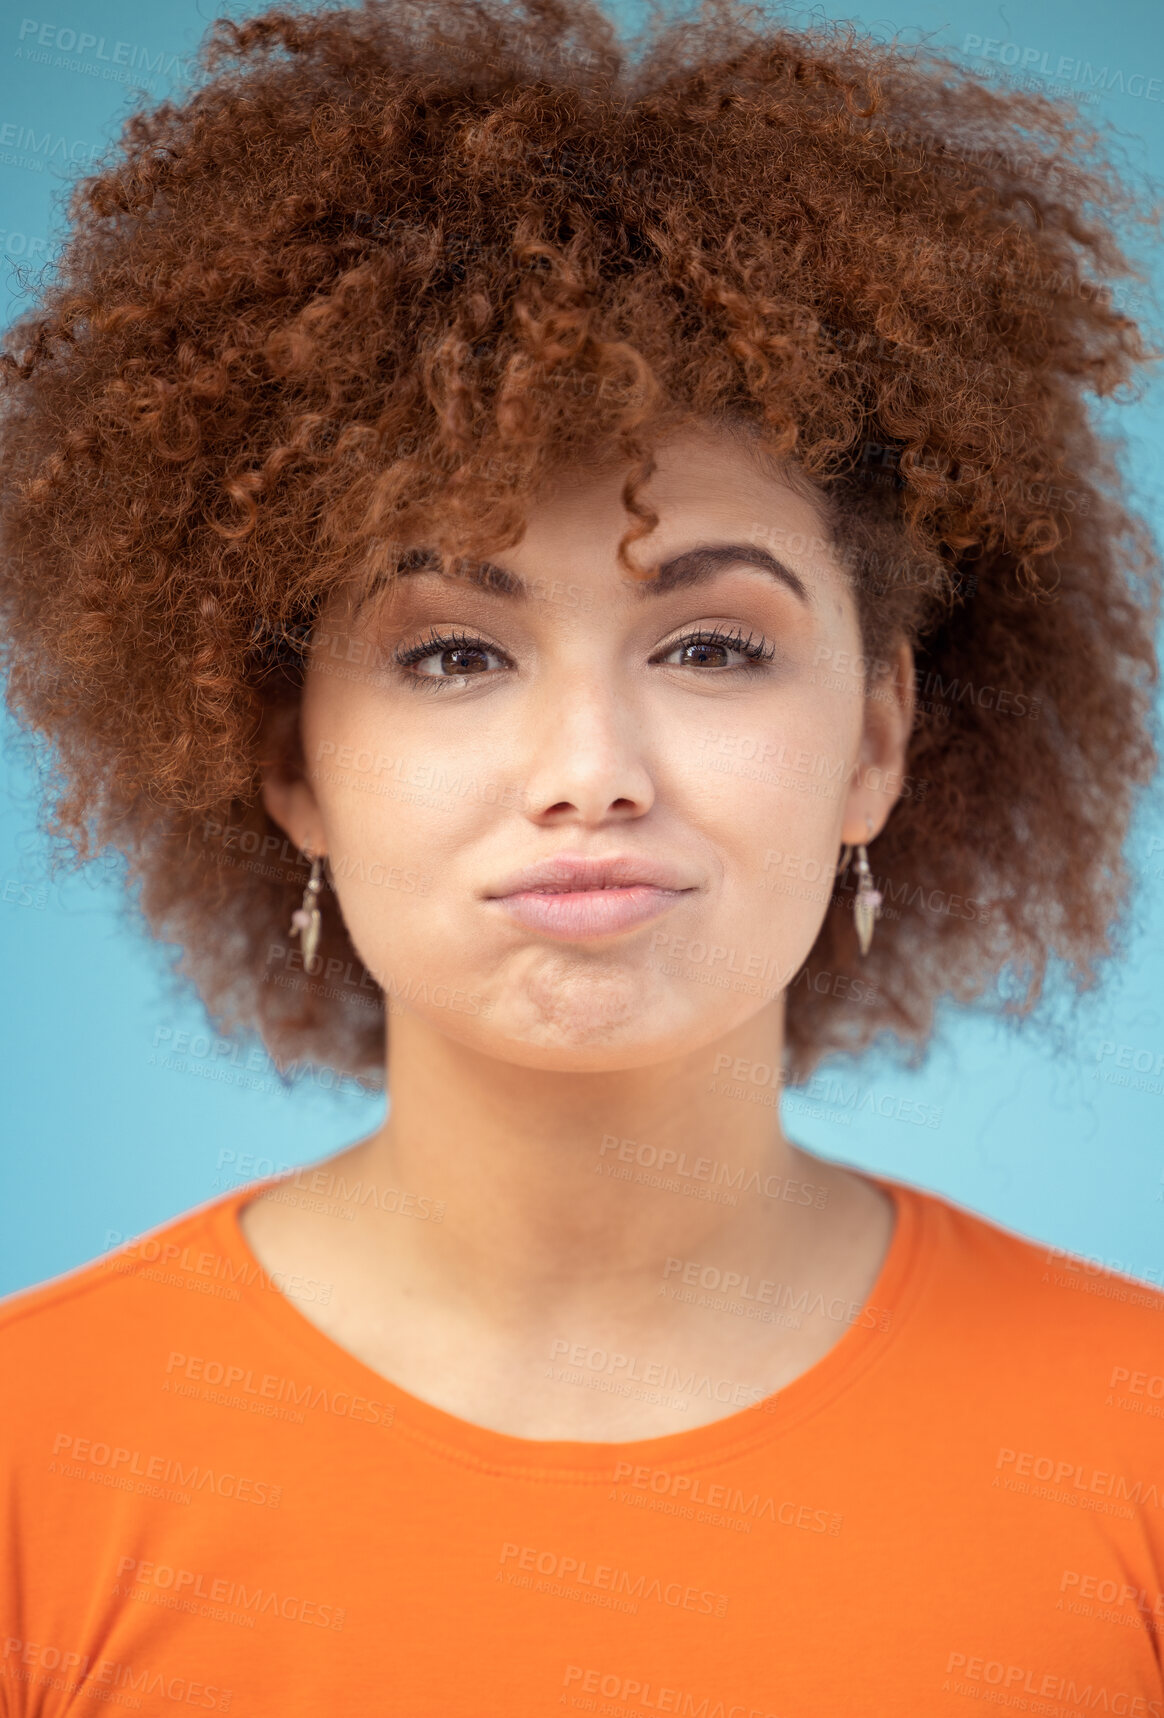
pixel 305 920
pixel 867 904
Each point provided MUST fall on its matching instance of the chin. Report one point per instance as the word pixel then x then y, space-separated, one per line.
pixel 591 1034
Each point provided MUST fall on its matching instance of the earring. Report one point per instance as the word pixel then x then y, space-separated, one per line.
pixel 867 904
pixel 305 920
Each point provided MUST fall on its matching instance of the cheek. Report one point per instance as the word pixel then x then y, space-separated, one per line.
pixel 385 866
pixel 356 761
pixel 392 829
pixel 395 816
pixel 779 779
pixel 771 797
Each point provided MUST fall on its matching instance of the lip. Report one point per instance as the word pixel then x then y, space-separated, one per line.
pixel 573 897
pixel 566 872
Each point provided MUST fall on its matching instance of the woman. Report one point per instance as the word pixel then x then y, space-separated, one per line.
pixel 523 548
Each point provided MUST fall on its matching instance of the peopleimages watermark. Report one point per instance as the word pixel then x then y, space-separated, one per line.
pixel 1113 1278
pixel 1036 62
pixel 760 757
pixel 227 1061
pixel 670 1161
pixel 820 1087
pixel 635 1694
pixel 1110 1592
pixel 976 1669
pixel 325 1191
pixel 583 1360
pixel 1069 1481
pixel 221 1597
pixel 1139 1383
pixel 367 771
pixel 17 893
pixel 63 39
pixel 608 1578
pixel 716 1496
pixel 175 1479
pixel 272 1387
pixel 206 1271
pixel 724 967
pixel 23 146
pixel 728 1285
pixel 115 1681
pixel 1136 1067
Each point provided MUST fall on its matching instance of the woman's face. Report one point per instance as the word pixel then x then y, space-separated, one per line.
pixel 710 734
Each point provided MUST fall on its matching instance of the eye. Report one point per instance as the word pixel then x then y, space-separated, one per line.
pixel 709 647
pixel 446 658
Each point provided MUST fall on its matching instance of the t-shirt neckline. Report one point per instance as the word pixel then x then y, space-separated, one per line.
pixel 863 1345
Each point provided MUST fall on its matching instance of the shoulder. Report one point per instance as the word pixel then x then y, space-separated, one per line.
pixel 83 1333
pixel 1042 1320
pixel 1002 1261
pixel 70 1291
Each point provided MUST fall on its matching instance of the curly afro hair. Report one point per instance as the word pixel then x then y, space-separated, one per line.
pixel 386 267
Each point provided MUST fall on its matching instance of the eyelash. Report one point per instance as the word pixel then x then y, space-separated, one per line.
pixel 756 653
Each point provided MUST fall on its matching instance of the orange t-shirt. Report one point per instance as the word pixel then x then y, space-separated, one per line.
pixel 211 1505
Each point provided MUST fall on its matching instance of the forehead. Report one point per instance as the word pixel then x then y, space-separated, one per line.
pixel 726 472
pixel 709 486
pixel 720 499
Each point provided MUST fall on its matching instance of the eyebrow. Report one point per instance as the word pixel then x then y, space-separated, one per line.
pixel 692 567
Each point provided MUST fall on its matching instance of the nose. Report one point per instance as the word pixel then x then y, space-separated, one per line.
pixel 587 761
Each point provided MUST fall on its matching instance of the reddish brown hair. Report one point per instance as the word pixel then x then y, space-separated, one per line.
pixel 384 268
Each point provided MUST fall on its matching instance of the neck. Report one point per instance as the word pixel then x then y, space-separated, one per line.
pixel 581 1218
pixel 574 1183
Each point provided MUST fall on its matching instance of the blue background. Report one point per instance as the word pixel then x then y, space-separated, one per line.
pixel 1046 1134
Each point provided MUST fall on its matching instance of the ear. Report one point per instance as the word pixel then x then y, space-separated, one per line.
pixel 287 795
pixel 879 776
pixel 293 806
